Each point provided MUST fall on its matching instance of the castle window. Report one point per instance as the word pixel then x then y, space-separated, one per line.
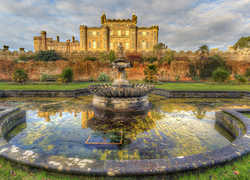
pixel 89 45
pixel 154 32
pixel 89 33
pixel 104 32
pixel 110 24
pixel 52 48
pixel 63 47
pixel 39 48
pixel 104 44
pixel 111 45
pixel 94 33
pixel 147 33
pixel 127 24
pixel 133 38
pixel 139 45
pixel 111 32
pixel 147 45
pixel 48 48
pixel 155 38
pixel 118 25
pixel 133 45
pixel 143 44
pixel 119 33
pixel 82 45
pixel 144 33
pixel 133 32
pixel 97 33
pixel 94 44
pixel 126 45
pixel 73 47
pixel 127 33
pixel 118 44
pixel 82 32
pixel 139 33
pixel 98 45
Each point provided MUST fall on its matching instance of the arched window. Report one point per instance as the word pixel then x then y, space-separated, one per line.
pixel 94 44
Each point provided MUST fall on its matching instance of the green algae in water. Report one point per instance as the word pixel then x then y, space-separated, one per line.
pixel 172 128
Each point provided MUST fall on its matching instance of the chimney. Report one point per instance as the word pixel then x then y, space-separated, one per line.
pixel 5 48
pixel 73 39
pixel 57 37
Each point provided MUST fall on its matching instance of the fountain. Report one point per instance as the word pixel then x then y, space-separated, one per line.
pixel 121 95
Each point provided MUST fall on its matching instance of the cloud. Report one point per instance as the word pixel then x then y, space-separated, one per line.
pixel 184 24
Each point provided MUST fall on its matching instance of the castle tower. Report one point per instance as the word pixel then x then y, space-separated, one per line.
pixel 44 41
pixel 83 38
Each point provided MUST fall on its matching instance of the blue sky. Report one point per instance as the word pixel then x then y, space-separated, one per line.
pixel 184 24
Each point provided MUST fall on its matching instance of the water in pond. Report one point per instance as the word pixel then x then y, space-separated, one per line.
pixel 172 128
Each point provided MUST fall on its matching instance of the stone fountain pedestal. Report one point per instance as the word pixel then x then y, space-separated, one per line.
pixel 121 95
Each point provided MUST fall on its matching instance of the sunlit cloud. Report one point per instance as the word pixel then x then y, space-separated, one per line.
pixel 184 24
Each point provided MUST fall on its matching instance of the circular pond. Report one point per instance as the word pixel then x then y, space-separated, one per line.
pixel 70 128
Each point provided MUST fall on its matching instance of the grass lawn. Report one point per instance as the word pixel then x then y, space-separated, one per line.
pixel 238 169
pixel 169 86
pixel 202 87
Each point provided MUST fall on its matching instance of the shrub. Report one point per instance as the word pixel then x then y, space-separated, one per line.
pixel 90 58
pixel 50 55
pixel 148 59
pixel 67 75
pixel 48 77
pixel 220 75
pixel 204 68
pixel 20 76
pixel 91 79
pixel 112 56
pixel 23 57
pixel 151 71
pixel 247 72
pixel 242 79
pixel 103 77
pixel 169 57
pixel 103 57
pixel 236 76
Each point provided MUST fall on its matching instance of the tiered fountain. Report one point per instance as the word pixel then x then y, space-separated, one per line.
pixel 121 96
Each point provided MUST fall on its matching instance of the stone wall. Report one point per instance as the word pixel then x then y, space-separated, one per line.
pixel 235 55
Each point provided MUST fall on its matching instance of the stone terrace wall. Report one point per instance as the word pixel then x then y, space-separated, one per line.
pixel 236 55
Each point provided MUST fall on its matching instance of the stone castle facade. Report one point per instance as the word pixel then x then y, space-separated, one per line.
pixel 105 38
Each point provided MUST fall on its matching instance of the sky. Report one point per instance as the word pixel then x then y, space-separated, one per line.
pixel 183 24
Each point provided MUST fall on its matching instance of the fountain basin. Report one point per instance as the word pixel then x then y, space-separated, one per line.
pixel 128 167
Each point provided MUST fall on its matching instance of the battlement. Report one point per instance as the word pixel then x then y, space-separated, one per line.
pixel 151 27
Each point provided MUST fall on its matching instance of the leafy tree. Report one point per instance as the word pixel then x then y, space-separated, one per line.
pixel 50 55
pixel 151 71
pixel 220 75
pixel 112 56
pixel 169 57
pixel 67 75
pixel 20 76
pixel 204 49
pixel 204 68
pixel 243 42
pixel 158 49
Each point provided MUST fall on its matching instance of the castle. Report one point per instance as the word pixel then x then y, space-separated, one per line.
pixel 104 38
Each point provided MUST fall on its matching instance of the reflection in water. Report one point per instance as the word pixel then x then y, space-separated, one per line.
pixel 171 128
